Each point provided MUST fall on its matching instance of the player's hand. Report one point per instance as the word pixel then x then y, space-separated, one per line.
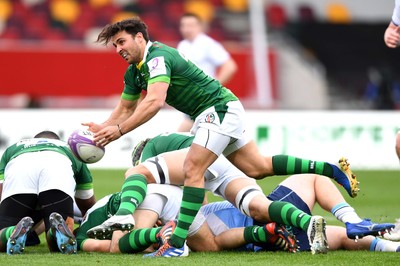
pixel 93 127
pixel 106 135
pixel 392 37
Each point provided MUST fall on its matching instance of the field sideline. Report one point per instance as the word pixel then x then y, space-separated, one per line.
pixel 378 199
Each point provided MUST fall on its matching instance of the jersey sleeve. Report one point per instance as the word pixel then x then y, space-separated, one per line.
pixel 83 177
pixel 396 13
pixel 3 162
pixel 132 89
pixel 160 66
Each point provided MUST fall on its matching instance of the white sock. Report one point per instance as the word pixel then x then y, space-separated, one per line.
pixel 384 245
pixel 345 213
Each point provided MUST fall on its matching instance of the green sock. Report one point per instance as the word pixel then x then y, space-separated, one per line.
pixel 192 199
pixel 133 193
pixel 6 233
pixel 138 240
pixel 256 234
pixel 289 165
pixel 287 214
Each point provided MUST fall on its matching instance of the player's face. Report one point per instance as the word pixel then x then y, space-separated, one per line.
pixel 128 47
pixel 190 27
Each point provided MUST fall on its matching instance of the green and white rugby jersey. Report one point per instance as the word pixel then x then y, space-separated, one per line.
pixel 82 175
pixel 164 143
pixel 190 90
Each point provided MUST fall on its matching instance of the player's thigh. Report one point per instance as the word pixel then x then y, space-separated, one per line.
pixel 203 240
pixel 166 168
pixel 235 186
pixel 14 208
pixel 304 186
pixel 55 200
pixel 249 159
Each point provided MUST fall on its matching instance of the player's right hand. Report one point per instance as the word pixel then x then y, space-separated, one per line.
pixel 93 127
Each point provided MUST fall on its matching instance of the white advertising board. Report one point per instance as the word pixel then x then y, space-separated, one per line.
pixel 367 138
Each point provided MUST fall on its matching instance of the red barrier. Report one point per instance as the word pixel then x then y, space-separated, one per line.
pixel 77 71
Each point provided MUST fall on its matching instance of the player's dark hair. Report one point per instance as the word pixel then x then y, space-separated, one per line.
pixel 192 15
pixel 47 134
pixel 131 26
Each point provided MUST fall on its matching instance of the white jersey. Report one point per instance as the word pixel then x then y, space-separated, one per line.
pixel 205 52
pixel 396 13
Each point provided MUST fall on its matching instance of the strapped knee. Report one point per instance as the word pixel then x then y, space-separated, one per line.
pixel 244 197
pixel 158 168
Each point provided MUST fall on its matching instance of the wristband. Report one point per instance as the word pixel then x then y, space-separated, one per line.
pixel 119 129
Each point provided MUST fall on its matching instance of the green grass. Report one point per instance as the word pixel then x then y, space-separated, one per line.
pixel 378 200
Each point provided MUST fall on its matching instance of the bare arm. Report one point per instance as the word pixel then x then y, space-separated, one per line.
pixel 85 204
pixel 144 111
pixel 121 112
pixel 226 71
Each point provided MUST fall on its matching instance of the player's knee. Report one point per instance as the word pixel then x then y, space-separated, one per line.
pixel 245 196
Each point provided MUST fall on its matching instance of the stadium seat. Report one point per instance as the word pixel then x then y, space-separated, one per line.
pixel 276 16
pixel 235 6
pixel 306 13
pixel 337 13
pixel 5 10
pixel 65 11
pixel 203 8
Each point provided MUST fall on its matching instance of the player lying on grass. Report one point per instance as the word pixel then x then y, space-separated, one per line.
pixel 304 191
pixel 222 218
pixel 223 179
pixel 162 203
pixel 41 172
pixel 220 226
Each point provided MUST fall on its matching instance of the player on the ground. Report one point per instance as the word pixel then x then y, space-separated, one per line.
pixel 42 172
pixel 221 178
pixel 219 218
pixel 392 32
pixel 169 77
pixel 161 203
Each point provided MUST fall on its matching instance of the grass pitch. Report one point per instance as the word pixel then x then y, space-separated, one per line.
pixel 378 199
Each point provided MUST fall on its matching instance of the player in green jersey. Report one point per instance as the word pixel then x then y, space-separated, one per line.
pixel 169 77
pixel 43 172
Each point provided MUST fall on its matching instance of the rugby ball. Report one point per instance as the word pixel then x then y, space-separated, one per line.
pixel 84 148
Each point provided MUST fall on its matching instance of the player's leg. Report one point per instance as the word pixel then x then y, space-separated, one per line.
pixel 15 222
pixel 144 234
pixel 260 166
pixel 233 230
pixel 338 239
pixel 252 202
pixel 58 214
pixel 133 192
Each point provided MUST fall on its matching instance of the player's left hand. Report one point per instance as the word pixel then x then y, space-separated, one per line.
pixel 106 135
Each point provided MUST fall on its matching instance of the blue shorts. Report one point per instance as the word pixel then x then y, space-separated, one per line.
pixel 282 193
pixel 222 216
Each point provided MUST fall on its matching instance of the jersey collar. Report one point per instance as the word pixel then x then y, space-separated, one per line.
pixel 146 51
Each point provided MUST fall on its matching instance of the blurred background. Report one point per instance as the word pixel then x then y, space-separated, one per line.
pixel 315 54
pixel 315 76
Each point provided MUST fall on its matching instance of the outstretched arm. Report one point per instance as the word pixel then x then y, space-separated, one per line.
pixel 144 111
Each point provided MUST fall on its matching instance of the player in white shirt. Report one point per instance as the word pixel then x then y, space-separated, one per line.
pixel 207 53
